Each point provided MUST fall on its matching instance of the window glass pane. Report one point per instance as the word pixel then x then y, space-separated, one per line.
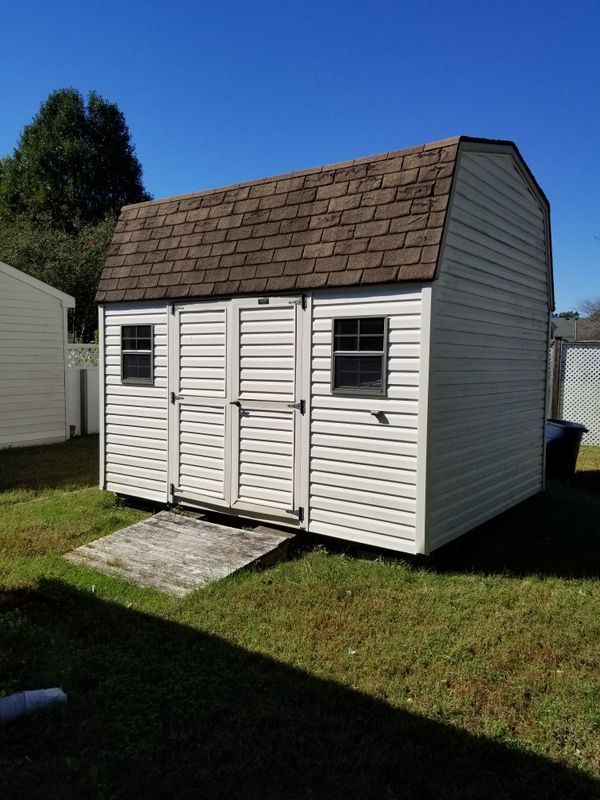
pixel 372 325
pixel 346 326
pixel 136 337
pixel 364 333
pixel 137 366
pixel 346 343
pixel 364 373
pixel 371 343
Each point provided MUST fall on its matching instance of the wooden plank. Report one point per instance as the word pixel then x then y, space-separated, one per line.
pixel 177 554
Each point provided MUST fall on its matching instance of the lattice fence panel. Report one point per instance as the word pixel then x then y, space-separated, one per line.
pixel 82 355
pixel 580 387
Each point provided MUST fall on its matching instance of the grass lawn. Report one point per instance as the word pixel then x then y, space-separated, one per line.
pixel 474 674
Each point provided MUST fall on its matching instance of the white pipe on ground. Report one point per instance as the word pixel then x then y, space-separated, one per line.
pixel 19 705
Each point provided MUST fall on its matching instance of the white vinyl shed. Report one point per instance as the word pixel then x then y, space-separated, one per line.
pixel 358 350
pixel 33 343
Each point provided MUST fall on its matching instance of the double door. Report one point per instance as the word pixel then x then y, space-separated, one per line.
pixel 238 406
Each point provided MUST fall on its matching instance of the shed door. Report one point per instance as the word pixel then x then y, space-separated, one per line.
pixel 267 406
pixel 237 405
pixel 201 403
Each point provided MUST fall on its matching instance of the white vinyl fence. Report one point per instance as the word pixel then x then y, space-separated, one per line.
pixel 83 410
pixel 575 393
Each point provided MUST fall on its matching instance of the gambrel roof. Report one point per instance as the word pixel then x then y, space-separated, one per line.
pixel 372 220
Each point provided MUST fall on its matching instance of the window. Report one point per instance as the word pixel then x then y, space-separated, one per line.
pixel 136 354
pixel 359 355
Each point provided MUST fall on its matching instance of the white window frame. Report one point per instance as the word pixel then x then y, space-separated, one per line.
pixel 127 352
pixel 383 354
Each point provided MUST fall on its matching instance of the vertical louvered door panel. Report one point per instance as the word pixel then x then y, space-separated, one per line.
pixel 202 405
pixel 266 392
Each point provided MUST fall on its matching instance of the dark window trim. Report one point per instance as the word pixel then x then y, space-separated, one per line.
pixel 347 392
pixel 138 381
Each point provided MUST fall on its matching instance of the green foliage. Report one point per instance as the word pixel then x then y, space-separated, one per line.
pixel 60 194
pixel 568 315
pixel 69 261
pixel 74 164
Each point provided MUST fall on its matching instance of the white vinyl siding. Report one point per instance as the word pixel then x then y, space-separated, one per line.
pixel 135 423
pixel 265 425
pixel 489 350
pixel 32 364
pixel 202 416
pixel 363 468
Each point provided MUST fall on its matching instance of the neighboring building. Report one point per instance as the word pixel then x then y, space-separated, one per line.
pixel 582 329
pixel 357 350
pixel 33 341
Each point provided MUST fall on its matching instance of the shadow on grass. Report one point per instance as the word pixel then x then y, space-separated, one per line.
pixel 157 709
pixel 68 465
pixel 556 533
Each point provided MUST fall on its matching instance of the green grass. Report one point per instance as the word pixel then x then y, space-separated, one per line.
pixel 474 674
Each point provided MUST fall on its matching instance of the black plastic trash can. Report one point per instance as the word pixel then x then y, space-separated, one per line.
pixel 563 439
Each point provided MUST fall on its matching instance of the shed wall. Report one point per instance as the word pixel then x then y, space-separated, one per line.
pixel 136 417
pixel 363 468
pixel 490 325
pixel 32 365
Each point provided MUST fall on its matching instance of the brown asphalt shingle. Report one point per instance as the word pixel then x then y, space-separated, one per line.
pixel 373 220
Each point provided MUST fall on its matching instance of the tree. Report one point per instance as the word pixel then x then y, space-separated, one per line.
pixel 60 193
pixel 591 308
pixel 568 315
pixel 73 165
pixel 69 261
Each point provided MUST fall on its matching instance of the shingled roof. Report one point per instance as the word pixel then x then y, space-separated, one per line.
pixel 373 220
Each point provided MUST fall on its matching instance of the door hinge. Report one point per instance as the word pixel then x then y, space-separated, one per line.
pixel 172 489
pixel 297 512
pixel 175 397
pixel 172 308
pixel 299 301
pixel 300 406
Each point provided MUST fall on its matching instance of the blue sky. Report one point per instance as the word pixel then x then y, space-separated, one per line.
pixel 219 92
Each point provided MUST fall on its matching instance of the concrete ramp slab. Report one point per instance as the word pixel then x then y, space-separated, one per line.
pixel 178 554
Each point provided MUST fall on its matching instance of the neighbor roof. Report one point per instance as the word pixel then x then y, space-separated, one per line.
pixel 13 272
pixel 372 220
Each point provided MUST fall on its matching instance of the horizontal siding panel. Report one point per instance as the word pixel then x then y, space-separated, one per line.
pixel 279 460
pixel 28 439
pixel 489 360
pixel 360 525
pixel 39 424
pixel 490 493
pixel 451 488
pixel 32 369
pixel 26 416
pixel 146 490
pixel 495 215
pixel 363 467
pixel 128 472
pixel 366 430
pixel 403 479
pixel 135 446
pixel 353 496
pixel 475 176
pixel 351 534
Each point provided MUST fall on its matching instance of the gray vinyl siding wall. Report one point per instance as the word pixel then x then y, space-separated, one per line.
pixel 490 322
pixel 135 416
pixel 32 365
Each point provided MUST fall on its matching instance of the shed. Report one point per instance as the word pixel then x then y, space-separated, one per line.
pixel 33 342
pixel 357 350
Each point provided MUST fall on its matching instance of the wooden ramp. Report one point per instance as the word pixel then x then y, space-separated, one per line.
pixel 177 554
